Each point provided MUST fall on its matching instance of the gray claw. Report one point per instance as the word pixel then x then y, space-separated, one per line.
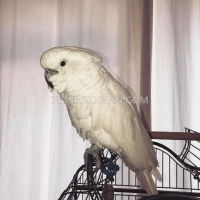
pixel 94 151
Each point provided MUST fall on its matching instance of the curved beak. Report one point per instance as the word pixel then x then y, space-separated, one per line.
pixel 48 82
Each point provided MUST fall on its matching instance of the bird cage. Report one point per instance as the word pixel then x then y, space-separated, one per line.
pixel 113 180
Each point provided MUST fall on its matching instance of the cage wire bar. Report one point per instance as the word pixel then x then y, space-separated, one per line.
pixel 181 176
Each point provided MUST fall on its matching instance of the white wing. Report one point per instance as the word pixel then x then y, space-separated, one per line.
pixel 120 120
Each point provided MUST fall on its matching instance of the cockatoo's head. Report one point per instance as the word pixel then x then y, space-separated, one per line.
pixel 62 64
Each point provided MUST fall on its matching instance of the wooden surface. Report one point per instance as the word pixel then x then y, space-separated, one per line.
pixel 174 135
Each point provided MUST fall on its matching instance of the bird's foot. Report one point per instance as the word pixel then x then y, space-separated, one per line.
pixel 94 151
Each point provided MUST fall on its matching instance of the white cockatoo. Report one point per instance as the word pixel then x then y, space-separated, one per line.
pixel 100 109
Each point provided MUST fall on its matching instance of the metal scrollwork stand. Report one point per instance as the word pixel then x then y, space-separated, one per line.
pixel 96 180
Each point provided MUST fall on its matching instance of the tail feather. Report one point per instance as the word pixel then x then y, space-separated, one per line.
pixel 147 182
pixel 156 174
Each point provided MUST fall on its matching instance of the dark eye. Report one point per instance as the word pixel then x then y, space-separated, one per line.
pixel 63 63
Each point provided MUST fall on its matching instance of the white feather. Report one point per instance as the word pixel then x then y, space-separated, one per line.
pixel 113 125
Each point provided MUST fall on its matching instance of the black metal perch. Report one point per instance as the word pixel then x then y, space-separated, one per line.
pixel 99 183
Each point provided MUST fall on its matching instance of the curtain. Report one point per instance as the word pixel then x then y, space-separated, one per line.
pixel 175 66
pixel 143 46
